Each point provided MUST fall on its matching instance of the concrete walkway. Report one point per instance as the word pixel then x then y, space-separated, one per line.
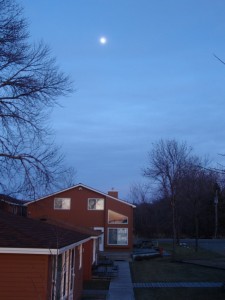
pixel 178 285
pixel 121 287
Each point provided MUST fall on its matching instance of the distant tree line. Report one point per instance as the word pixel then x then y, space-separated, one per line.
pixel 178 199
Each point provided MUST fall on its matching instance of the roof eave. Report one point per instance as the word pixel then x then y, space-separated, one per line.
pixel 42 251
pixel 86 187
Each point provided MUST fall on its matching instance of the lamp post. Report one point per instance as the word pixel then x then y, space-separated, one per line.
pixel 216 214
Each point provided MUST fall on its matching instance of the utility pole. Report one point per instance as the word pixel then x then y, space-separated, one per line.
pixel 216 213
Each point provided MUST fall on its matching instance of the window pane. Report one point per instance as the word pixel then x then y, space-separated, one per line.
pixel 113 236
pixel 59 276
pixel 122 236
pixel 100 204
pixel 116 218
pixel 118 236
pixel 62 203
pixel 96 204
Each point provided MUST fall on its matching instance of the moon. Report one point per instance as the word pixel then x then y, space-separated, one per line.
pixel 103 40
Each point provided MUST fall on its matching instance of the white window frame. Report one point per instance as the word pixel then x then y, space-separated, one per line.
pixel 95 202
pixel 94 251
pixel 65 203
pixel 117 244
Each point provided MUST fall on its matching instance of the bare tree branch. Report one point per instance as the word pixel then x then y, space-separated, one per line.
pixel 30 84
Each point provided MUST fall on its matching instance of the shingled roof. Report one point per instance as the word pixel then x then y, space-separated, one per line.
pixel 26 235
pixel 11 200
pixel 91 232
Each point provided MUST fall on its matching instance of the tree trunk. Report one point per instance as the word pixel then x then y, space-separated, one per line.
pixel 174 230
pixel 196 232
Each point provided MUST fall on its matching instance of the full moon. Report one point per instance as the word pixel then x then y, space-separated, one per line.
pixel 103 40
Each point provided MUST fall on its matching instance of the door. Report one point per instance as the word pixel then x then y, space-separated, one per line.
pixel 101 238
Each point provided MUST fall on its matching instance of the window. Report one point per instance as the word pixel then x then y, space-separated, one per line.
pixel 96 204
pixel 59 273
pixel 117 236
pixel 62 203
pixel 65 274
pixel 116 218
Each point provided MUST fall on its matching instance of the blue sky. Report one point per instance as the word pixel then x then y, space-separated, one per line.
pixel 156 78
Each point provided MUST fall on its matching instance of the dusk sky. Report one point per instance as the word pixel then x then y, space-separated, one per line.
pixel 156 77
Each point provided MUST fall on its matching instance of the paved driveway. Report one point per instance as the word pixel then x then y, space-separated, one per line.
pixel 216 245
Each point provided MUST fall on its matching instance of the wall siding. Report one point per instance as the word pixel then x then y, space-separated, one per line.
pixel 78 284
pixel 24 277
pixel 87 260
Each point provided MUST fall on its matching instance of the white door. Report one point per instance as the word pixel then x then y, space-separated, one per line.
pixel 101 238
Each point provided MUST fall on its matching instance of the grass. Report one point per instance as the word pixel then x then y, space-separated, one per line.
pixel 184 253
pixel 165 270
pixel 180 293
pixel 93 286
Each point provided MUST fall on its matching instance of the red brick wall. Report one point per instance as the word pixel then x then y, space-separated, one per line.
pixel 23 277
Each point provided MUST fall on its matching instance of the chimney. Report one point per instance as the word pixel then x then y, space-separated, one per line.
pixel 113 193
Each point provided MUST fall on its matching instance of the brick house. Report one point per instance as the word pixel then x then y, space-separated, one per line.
pixel 83 206
pixel 40 260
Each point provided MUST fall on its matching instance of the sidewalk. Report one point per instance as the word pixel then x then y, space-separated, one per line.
pixel 178 285
pixel 121 287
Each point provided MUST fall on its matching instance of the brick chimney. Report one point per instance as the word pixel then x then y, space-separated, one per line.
pixel 113 193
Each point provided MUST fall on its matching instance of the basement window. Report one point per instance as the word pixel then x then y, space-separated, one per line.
pixel 62 203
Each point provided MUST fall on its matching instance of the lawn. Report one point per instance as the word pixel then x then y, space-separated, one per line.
pixel 180 293
pixel 182 253
pixel 165 270
pixel 95 289
pixel 96 284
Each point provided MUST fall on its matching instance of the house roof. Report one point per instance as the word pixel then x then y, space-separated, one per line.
pixel 11 200
pixel 80 185
pixel 25 235
pixel 64 224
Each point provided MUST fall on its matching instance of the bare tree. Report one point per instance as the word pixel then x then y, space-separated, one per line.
pixel 196 188
pixel 30 83
pixel 168 161
pixel 140 192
